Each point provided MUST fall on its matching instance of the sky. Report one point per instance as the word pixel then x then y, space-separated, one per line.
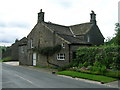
pixel 18 17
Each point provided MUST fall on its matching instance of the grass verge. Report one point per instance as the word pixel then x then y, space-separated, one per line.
pixel 99 78
pixel 7 59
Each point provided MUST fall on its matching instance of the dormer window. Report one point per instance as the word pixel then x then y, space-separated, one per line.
pixel 63 45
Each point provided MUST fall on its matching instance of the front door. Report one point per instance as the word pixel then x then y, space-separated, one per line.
pixel 34 59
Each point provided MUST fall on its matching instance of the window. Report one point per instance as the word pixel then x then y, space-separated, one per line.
pixel 61 56
pixel 63 45
pixel 88 39
pixel 31 43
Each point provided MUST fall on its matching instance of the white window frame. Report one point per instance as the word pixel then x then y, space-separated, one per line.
pixel 61 56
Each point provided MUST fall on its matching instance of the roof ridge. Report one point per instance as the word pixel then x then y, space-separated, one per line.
pixel 56 24
pixel 80 24
pixel 47 27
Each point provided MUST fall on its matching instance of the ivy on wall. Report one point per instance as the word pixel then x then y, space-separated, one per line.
pixel 48 51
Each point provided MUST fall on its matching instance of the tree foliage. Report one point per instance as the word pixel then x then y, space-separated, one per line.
pixel 115 40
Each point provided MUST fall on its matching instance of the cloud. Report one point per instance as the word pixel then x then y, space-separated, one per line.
pixel 9 35
pixel 2 24
pixel 5 44
pixel 18 17
pixel 64 3
pixel 15 24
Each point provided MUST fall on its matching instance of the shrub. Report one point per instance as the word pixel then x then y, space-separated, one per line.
pixel 103 69
pixel 80 65
pixel 97 64
pixel 85 64
pixel 95 68
pixel 97 56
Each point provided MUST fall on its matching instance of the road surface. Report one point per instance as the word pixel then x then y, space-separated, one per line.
pixel 21 77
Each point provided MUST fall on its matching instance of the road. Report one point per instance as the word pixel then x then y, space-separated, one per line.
pixel 21 77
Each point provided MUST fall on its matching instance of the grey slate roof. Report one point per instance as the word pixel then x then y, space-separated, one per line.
pixel 67 34
pixel 81 29
pixel 23 41
pixel 58 28
pixel 72 39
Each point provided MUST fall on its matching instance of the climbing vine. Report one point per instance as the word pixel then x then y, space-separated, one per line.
pixel 48 51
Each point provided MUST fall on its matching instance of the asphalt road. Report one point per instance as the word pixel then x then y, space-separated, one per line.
pixel 21 77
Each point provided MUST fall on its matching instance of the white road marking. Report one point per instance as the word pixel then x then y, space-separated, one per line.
pixel 24 78
pixel 20 77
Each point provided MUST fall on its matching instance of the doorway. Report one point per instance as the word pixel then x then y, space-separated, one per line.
pixel 34 59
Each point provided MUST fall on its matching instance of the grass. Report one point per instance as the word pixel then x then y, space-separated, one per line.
pixel 115 74
pixel 110 73
pixel 99 78
pixel 1 60
pixel 7 59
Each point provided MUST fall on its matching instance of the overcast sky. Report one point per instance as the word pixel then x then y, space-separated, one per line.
pixel 18 17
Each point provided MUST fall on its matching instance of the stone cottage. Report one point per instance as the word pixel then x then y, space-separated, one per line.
pixel 47 34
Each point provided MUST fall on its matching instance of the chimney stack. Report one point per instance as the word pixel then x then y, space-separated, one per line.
pixel 41 16
pixel 93 17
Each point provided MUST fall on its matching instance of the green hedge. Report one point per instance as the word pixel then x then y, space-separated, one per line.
pixel 107 56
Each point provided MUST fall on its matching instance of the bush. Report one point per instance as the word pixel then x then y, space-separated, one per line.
pixel 85 64
pixel 103 69
pixel 97 56
pixel 97 64
pixel 80 65
pixel 95 68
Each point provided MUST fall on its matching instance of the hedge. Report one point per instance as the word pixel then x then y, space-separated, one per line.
pixel 98 56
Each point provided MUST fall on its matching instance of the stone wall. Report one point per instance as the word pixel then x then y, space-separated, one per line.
pixel 23 55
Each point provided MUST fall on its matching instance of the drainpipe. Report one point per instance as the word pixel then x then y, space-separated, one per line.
pixel 69 52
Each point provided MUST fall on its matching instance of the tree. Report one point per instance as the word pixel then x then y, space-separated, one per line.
pixel 117 33
pixel 115 40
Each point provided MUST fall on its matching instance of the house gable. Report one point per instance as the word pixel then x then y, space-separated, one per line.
pixel 81 29
pixel 94 36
